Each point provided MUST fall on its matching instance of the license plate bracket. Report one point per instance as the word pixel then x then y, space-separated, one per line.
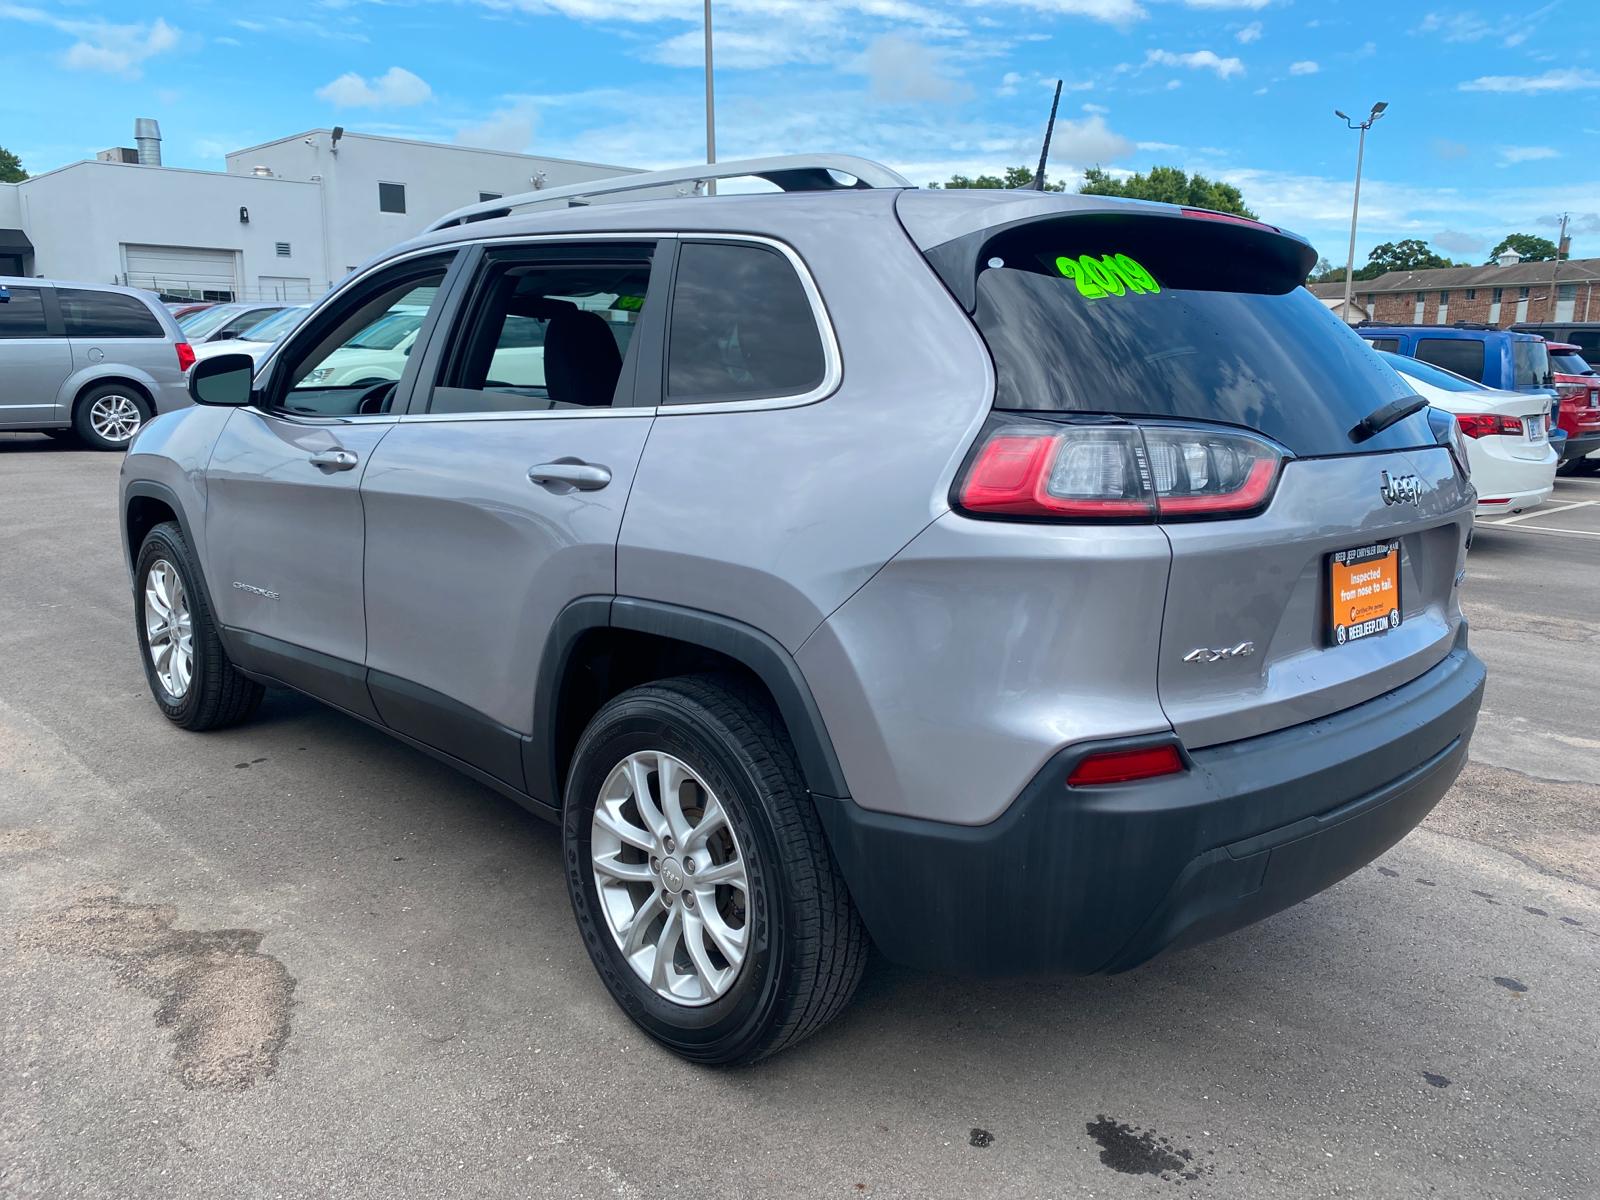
pixel 1363 592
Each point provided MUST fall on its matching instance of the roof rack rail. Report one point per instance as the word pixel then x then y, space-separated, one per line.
pixel 791 172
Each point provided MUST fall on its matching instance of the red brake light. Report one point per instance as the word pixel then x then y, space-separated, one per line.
pixel 185 356
pixel 1477 425
pixel 1205 214
pixel 1124 766
pixel 1117 472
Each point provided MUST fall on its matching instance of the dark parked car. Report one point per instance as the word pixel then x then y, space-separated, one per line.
pixel 1585 335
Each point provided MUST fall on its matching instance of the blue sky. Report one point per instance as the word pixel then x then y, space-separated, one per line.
pixel 1493 126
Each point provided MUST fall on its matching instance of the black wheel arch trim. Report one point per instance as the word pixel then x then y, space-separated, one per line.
pixel 745 644
pixel 149 489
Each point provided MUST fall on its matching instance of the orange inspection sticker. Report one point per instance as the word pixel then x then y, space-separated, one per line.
pixel 1364 591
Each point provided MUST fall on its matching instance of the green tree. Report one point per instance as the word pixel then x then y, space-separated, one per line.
pixel 1411 254
pixel 1014 178
pixel 1324 271
pixel 11 167
pixel 1170 185
pixel 1531 247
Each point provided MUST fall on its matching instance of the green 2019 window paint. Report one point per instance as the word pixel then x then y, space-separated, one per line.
pixel 1108 275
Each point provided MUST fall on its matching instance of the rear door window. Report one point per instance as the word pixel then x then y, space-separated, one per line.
pixel 742 327
pixel 1182 318
pixel 23 315
pixel 1464 356
pixel 1392 345
pixel 106 315
pixel 1530 364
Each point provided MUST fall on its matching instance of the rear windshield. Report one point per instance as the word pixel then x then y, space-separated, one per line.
pixel 207 320
pixel 1530 364
pixel 1163 317
pixel 1442 379
pixel 1570 363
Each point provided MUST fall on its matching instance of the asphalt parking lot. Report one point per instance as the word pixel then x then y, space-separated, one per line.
pixel 299 959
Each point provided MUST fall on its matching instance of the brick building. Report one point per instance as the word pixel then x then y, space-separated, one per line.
pixel 1503 293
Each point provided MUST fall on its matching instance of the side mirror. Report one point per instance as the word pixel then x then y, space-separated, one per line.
pixel 225 381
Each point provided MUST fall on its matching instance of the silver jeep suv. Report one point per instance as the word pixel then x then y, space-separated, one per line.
pixel 1016 581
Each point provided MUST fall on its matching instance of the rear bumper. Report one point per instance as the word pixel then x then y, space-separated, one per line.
pixel 1580 445
pixel 1102 879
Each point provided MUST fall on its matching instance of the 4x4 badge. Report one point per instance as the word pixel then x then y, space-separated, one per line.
pixel 1400 489
pixel 1203 654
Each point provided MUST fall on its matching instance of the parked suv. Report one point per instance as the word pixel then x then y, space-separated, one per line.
pixel 86 360
pixel 1021 581
pixel 1579 388
pixel 1583 334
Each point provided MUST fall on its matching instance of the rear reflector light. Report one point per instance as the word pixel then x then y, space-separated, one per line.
pixel 1124 766
pixel 1117 472
pixel 1477 425
pixel 185 356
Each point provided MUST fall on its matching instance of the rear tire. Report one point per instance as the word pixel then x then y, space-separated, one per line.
pixel 796 946
pixel 193 682
pixel 108 416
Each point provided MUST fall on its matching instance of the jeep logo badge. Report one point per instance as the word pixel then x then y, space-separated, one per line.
pixel 1400 489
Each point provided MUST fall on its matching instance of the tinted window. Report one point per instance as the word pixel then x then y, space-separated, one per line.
pixel 1530 364
pixel 546 335
pixel 201 322
pixel 1589 342
pixel 742 327
pixel 1415 368
pixel 242 322
pixel 23 316
pixel 1199 323
pixel 106 315
pixel 1464 356
pixel 392 197
pixel 1390 344
pixel 1570 363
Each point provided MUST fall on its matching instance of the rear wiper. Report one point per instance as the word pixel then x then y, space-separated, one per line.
pixel 1379 419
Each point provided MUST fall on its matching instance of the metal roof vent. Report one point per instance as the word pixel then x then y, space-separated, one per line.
pixel 147 137
pixel 1508 257
pixel 261 172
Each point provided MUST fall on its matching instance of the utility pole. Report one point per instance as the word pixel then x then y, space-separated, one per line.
pixel 711 108
pixel 1355 206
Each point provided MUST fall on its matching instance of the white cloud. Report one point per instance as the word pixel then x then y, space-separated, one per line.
pixel 1511 155
pixel 508 128
pixel 101 45
pixel 1089 141
pixel 1564 79
pixel 1196 60
pixel 1304 67
pixel 1008 84
pixel 1510 30
pixel 1096 108
pixel 1250 33
pixel 902 70
pixel 1457 242
pixel 1174 84
pixel 395 88
pixel 1159 147
pixel 1215 4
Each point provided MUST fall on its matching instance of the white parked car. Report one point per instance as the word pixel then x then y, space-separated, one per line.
pixel 1507 434
pixel 259 338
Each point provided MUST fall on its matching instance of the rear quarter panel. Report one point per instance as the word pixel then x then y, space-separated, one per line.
pixel 774 516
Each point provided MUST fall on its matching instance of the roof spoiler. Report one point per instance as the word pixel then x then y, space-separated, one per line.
pixel 790 172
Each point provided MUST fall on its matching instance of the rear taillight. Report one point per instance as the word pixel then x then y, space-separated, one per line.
pixel 185 356
pixel 1125 766
pixel 1118 472
pixel 1477 425
pixel 1206 214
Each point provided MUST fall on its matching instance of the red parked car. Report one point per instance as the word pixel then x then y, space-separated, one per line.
pixel 1579 387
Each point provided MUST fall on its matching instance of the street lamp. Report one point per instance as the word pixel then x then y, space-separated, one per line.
pixel 1355 207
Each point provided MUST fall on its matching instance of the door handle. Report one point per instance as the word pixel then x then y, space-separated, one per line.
pixel 569 475
pixel 337 459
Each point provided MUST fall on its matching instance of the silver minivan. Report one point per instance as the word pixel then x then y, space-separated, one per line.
pixel 87 360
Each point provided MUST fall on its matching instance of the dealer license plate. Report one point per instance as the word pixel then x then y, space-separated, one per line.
pixel 1363 592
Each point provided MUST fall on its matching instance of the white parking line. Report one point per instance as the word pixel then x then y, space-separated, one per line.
pixel 1541 511
pixel 1547 529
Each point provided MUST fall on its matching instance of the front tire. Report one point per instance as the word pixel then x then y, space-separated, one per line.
pixel 193 682
pixel 711 907
pixel 109 415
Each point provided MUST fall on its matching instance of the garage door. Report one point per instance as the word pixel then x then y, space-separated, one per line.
pixel 183 272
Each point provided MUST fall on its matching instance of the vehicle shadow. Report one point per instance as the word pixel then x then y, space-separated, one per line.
pixel 39 443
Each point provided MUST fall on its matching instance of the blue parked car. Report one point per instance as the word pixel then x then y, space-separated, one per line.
pixel 1497 358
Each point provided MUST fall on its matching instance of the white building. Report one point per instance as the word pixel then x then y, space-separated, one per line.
pixel 286 219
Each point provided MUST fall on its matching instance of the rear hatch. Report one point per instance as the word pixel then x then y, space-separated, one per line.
pixel 1179 324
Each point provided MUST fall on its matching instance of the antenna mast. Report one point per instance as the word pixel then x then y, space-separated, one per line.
pixel 1044 153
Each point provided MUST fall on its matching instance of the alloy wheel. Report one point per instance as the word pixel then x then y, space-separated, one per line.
pixel 115 417
pixel 169 627
pixel 671 878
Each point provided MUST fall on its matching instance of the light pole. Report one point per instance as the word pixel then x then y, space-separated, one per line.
pixel 1355 207
pixel 711 108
